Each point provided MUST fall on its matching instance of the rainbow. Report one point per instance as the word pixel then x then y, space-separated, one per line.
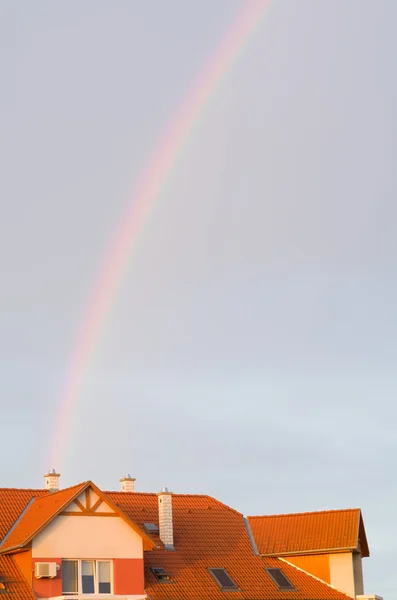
pixel 154 178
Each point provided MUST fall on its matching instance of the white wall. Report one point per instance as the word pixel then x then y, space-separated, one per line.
pixel 342 573
pixel 87 537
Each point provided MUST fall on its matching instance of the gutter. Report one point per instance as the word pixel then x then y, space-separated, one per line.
pixel 306 552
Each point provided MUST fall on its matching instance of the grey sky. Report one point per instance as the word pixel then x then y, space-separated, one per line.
pixel 251 351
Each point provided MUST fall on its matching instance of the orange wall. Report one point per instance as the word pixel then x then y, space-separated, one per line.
pixel 128 576
pixel 316 564
pixel 45 588
pixel 24 562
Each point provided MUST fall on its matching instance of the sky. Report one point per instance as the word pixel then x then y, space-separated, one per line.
pixel 250 349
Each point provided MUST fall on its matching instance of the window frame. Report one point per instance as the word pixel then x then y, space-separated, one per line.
pixel 80 592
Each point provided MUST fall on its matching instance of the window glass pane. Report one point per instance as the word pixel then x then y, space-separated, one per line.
pixel 223 579
pixel 280 578
pixel 104 577
pixel 69 577
pixel 87 577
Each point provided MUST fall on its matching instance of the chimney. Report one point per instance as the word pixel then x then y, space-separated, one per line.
pixel 127 483
pixel 52 481
pixel 165 518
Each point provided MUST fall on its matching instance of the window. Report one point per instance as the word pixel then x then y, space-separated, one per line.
pixel 280 579
pixel 223 579
pixel 160 574
pixel 86 577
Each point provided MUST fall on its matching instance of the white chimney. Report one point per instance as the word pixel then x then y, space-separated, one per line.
pixel 165 518
pixel 127 483
pixel 52 480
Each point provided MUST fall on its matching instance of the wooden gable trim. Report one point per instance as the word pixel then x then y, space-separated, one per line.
pixel 97 504
pixel 87 513
pixel 78 503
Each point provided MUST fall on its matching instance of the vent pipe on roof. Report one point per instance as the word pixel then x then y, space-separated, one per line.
pixel 52 480
pixel 165 518
pixel 127 483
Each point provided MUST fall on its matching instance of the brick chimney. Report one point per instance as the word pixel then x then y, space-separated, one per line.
pixel 165 518
pixel 52 480
pixel 127 483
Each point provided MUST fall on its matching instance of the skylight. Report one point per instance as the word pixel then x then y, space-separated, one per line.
pixel 2 587
pixel 151 527
pixel 223 579
pixel 160 574
pixel 280 579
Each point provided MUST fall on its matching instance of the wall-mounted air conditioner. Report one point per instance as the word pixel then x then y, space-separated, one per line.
pixel 45 569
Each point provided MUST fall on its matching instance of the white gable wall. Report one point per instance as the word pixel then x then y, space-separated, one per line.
pixel 87 537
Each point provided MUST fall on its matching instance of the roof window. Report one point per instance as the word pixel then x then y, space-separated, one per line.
pixel 2 587
pixel 160 574
pixel 223 579
pixel 280 579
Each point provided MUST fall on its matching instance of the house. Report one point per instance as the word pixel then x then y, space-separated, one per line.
pixel 81 542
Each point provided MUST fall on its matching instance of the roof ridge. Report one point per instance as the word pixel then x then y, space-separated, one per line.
pixel 298 514
pixel 14 489
pixel 130 493
pixel 205 496
pixel 314 577
pixel 155 494
pixel 70 487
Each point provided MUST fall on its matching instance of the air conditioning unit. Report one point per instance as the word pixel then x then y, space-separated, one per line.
pixel 45 569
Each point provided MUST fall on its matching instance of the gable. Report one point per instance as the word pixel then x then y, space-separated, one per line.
pixel 83 500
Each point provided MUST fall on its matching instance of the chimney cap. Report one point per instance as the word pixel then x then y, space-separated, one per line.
pixel 127 477
pixel 52 472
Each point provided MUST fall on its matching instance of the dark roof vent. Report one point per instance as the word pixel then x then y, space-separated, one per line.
pixel 151 527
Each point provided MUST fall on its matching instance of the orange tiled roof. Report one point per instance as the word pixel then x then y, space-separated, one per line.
pixel 40 512
pixel 209 534
pixel 12 502
pixel 16 586
pixel 311 532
